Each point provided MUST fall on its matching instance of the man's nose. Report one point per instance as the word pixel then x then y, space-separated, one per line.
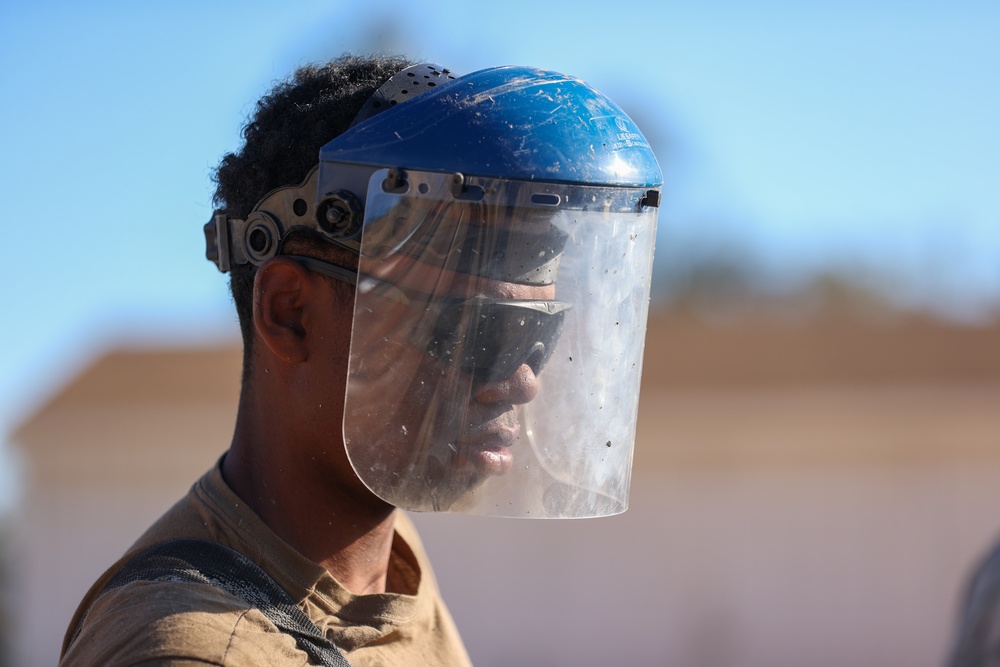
pixel 521 386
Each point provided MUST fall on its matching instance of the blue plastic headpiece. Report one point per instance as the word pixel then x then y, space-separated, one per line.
pixel 517 123
pixel 506 123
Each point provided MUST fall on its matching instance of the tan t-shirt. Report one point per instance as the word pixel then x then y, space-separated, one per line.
pixel 179 623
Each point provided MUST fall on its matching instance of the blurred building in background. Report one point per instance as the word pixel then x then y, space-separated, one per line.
pixel 806 491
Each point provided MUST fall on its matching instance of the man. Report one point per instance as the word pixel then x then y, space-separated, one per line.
pixel 442 285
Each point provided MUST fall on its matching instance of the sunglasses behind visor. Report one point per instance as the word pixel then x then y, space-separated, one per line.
pixel 492 338
pixel 486 337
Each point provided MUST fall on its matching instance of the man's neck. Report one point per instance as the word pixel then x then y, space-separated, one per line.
pixel 323 511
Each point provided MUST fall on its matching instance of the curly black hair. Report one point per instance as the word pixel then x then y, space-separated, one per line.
pixel 281 144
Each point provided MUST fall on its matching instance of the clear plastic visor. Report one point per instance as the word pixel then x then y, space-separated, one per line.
pixel 497 345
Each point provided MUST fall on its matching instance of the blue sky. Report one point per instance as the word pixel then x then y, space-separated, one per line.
pixel 853 133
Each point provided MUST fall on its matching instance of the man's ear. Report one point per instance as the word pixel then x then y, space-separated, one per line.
pixel 281 292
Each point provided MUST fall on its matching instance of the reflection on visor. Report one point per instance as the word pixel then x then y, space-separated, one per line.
pixel 491 338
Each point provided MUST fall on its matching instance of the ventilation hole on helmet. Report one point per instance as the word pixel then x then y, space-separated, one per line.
pixel 431 83
pixel 404 91
pixel 392 103
pixel 300 207
pixel 471 193
pixel 545 199
pixel 410 74
pixel 377 105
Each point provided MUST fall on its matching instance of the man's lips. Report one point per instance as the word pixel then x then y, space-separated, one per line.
pixel 485 461
pixel 487 447
pixel 498 431
pixel 491 438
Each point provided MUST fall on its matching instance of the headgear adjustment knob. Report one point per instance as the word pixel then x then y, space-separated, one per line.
pixel 340 214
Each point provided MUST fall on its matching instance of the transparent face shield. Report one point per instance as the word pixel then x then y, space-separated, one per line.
pixel 497 344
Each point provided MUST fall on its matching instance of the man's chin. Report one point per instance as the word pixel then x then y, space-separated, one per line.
pixel 451 485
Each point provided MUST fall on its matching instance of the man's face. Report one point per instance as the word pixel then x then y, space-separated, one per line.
pixel 429 417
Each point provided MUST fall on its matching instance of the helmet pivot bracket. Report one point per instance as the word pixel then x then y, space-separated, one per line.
pixel 340 214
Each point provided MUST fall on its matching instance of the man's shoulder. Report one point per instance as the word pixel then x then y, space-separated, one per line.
pixel 176 622
pixel 171 620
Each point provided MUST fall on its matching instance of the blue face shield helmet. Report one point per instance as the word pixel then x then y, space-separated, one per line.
pixel 504 224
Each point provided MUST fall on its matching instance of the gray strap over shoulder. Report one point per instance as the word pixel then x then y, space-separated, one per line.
pixel 202 561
